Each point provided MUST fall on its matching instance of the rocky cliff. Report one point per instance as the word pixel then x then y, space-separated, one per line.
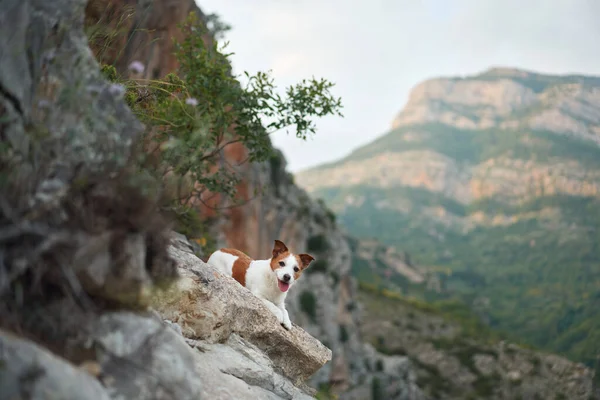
pixel 86 257
pixel 492 179
pixel 205 338
pixel 323 303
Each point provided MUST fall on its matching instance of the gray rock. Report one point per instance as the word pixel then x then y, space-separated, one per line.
pixel 246 367
pixel 211 307
pixel 144 359
pixel 58 111
pixel 28 371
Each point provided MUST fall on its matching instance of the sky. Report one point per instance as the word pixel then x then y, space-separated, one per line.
pixel 376 51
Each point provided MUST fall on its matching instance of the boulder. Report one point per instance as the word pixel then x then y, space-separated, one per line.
pixel 211 307
pixel 28 371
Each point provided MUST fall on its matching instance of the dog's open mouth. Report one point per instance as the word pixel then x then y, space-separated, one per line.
pixel 283 286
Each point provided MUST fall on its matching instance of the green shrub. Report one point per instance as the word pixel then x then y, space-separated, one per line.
pixel 331 215
pixel 317 243
pixel 351 306
pixel 484 385
pixel 536 363
pixel 325 392
pixel 377 392
pixel 308 304
pixel 335 276
pixel 189 116
pixel 319 265
pixel 343 334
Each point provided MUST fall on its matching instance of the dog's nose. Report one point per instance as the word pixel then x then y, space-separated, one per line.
pixel 287 277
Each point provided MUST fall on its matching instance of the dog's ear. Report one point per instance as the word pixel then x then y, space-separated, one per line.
pixel 306 259
pixel 279 248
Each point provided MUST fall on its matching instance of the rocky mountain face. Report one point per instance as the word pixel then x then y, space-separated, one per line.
pixel 452 363
pixel 84 313
pixel 523 118
pixel 492 181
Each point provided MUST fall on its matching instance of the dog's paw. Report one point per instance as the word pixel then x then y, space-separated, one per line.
pixel 280 317
pixel 287 324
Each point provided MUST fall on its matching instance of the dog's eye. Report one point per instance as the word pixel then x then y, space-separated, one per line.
pixel 281 264
pixel 296 269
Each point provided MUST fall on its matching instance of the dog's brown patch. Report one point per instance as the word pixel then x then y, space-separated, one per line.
pixel 240 266
pixel 304 261
pixel 280 257
pixel 280 252
pixel 279 248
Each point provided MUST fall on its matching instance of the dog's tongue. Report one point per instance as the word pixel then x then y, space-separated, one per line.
pixel 283 286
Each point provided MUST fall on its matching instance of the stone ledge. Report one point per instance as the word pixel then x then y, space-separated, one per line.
pixel 211 307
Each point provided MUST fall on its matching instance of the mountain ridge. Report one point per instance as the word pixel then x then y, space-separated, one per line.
pixel 494 72
pixel 495 176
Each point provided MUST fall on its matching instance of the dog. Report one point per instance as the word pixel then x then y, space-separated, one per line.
pixel 269 280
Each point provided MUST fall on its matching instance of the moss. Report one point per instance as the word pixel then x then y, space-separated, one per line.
pixel 131 98
pixel 109 72
pixel 308 304
pixel 325 392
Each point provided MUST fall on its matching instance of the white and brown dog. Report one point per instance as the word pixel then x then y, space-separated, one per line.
pixel 269 280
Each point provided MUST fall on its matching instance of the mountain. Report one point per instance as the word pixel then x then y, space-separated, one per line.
pixel 491 183
pixel 456 358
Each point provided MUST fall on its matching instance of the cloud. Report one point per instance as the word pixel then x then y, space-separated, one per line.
pixel 377 50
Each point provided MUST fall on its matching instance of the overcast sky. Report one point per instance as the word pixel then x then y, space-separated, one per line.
pixel 377 50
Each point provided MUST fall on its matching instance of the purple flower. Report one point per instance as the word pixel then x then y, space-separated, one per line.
pixel 136 67
pixel 191 101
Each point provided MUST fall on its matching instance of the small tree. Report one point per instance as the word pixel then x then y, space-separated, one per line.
pixel 192 116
